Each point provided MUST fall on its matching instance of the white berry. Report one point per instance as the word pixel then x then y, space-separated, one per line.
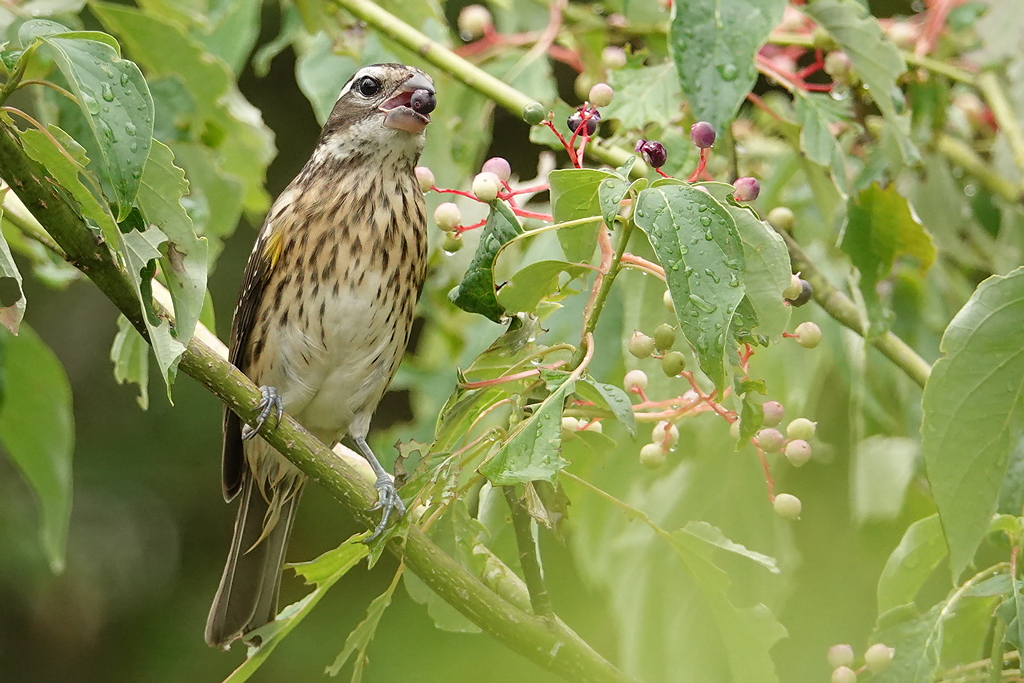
pixel 652 456
pixel 801 428
pixel 635 379
pixel 878 657
pixel 447 216
pixel 798 452
pixel 840 655
pixel 665 434
pixel 787 506
pixel 486 186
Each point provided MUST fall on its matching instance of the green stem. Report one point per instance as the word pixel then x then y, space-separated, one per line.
pixel 961 154
pixel 15 78
pixel 602 294
pixel 529 559
pixel 469 74
pixel 839 306
pixel 992 89
pixel 556 648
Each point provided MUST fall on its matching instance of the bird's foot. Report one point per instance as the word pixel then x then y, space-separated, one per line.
pixel 388 501
pixel 269 403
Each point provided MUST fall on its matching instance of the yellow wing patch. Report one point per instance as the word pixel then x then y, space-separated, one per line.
pixel 274 246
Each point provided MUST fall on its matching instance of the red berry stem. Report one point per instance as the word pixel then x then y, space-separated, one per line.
pixel 768 480
pixel 662 173
pixel 819 63
pixel 760 104
pixel 524 190
pixel 523 213
pixel 700 165
pixel 568 148
pixel 461 193
pixel 459 229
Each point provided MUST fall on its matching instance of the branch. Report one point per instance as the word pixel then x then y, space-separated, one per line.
pixel 991 87
pixel 554 647
pixel 471 75
pixel 963 155
pixel 839 306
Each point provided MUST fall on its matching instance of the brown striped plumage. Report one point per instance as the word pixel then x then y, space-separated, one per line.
pixel 323 318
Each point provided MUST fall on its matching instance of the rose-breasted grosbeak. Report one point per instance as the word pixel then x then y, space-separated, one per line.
pixel 323 318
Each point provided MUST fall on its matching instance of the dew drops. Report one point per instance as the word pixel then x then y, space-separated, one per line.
pixel 729 71
pixel 687 272
pixel 107 92
pixel 703 304
pixel 683 249
pixel 705 221
pixel 124 79
pixel 701 208
pixel 734 281
pixel 91 105
pixel 134 147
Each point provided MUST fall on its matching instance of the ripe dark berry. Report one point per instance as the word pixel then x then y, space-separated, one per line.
pixel 653 152
pixel 805 295
pixel 575 122
pixel 702 134
pixel 423 102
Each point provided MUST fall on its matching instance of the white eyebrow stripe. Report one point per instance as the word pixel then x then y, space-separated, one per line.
pixel 374 71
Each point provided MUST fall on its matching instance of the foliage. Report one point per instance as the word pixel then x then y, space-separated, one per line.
pixel 887 164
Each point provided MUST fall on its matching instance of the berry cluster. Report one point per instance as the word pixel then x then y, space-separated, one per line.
pixel 841 658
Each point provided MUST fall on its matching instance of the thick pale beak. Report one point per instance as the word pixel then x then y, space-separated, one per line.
pixel 410 109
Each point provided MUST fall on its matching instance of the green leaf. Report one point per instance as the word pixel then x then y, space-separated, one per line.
pixel 537 281
pixel 609 195
pixel 37 431
pixel 697 243
pixel 141 251
pixel 12 298
pixel 218 116
pixel 767 269
pixel 649 94
pixel 713 44
pixel 883 467
pixel 67 169
pixel 976 388
pixel 611 397
pixel 1011 611
pixel 917 640
pixel 130 355
pixel 324 571
pixel 115 101
pixel 533 451
pixel 815 111
pixel 359 639
pixel 874 57
pixel 746 633
pixel 751 420
pixel 475 294
pixel 183 255
pixel 911 563
pixel 575 194
pixel 713 535
pixel 880 227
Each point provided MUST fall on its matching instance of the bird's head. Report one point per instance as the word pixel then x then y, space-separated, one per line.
pixel 382 108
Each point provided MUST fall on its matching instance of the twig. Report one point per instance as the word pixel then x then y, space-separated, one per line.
pixel 961 154
pixel 529 558
pixel 839 306
pixel 993 91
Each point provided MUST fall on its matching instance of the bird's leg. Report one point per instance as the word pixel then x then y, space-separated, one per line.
pixel 388 500
pixel 268 403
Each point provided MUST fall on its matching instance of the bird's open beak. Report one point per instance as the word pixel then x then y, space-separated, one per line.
pixel 410 109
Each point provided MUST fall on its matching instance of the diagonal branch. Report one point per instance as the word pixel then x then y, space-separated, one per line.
pixel 553 646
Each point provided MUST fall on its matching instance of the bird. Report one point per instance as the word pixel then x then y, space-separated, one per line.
pixel 323 318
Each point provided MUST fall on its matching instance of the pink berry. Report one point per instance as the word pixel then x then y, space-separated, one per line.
pixel 702 134
pixel 798 452
pixel 425 177
pixel 773 412
pixel 770 440
pixel 499 166
pixel 747 189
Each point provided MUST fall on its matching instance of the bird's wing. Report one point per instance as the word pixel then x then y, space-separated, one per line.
pixel 264 256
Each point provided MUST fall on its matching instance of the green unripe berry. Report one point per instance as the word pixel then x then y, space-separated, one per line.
pixel 878 657
pixel 840 655
pixel 782 218
pixel 665 434
pixel 640 345
pixel 486 186
pixel 652 456
pixel 665 336
pixel 601 95
pixel 734 430
pixel 844 674
pixel 798 452
pixel 534 113
pixel 808 334
pixel 787 506
pixel 666 299
pixel 801 428
pixel 672 363
pixel 452 242
pixel 796 286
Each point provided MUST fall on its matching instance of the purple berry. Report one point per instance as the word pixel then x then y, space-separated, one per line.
pixel 653 153
pixel 423 102
pixel 575 122
pixel 747 189
pixel 702 134
pixel 499 166
pixel 806 292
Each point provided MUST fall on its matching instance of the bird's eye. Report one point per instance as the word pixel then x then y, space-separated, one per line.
pixel 368 86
